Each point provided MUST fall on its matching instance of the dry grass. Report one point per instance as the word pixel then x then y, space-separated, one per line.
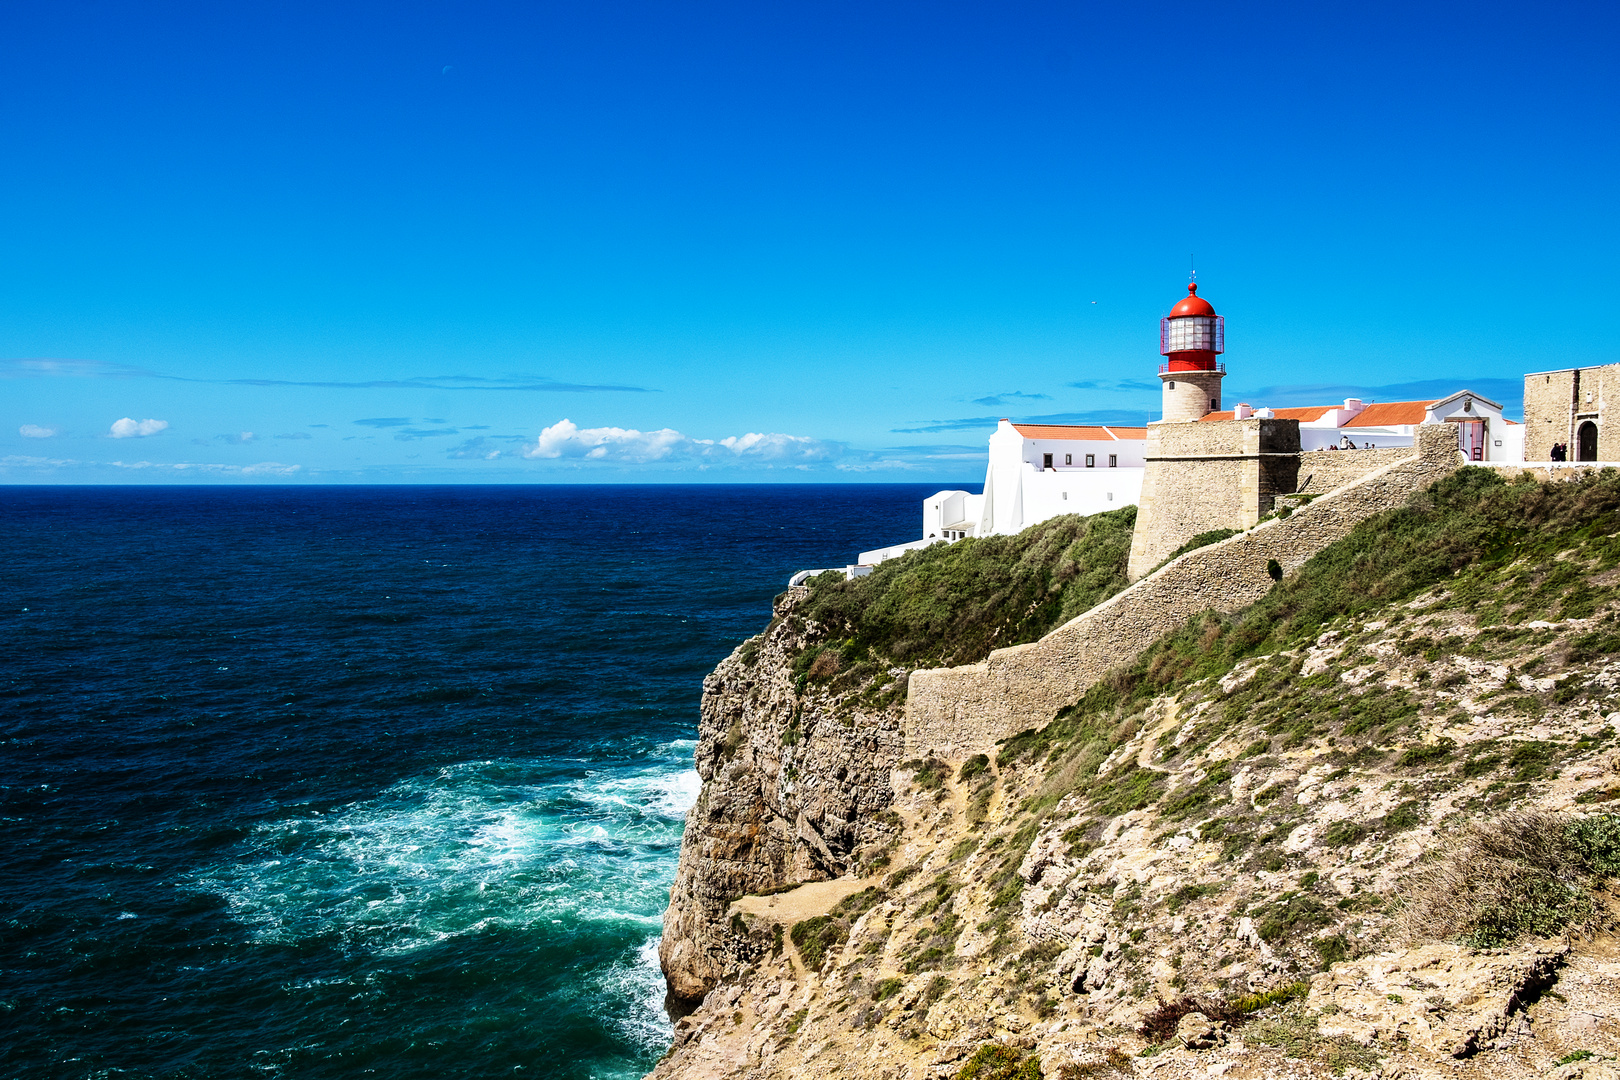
pixel 1525 874
pixel 825 665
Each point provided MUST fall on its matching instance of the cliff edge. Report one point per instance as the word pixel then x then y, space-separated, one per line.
pixel 795 767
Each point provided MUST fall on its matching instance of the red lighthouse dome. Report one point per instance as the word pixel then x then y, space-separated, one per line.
pixel 1192 335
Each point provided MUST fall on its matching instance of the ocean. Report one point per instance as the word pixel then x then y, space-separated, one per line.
pixel 378 781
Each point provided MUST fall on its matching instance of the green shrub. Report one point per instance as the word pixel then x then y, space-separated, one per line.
pixel 1186 895
pixel 1597 839
pixel 929 774
pixel 1344 833
pixel 1286 917
pixel 976 765
pixel 1277 995
pixel 1129 787
pixel 1331 949
pixel 1431 752
pixel 992 1061
pixel 888 988
pixel 1185 801
pixel 857 904
pixel 816 937
pixel 1403 817
pixel 1529 760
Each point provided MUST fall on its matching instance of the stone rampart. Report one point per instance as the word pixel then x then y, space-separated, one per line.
pixel 1206 476
pixel 957 712
pixel 1322 471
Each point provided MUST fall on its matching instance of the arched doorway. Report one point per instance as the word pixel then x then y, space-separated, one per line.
pixel 1586 442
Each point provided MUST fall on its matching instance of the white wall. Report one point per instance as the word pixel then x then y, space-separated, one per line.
pixel 1003 510
pixel 1018 493
pixel 941 509
pixel 1512 439
pixel 1381 437
pixel 1079 491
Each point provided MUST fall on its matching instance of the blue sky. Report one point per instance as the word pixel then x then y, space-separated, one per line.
pixel 552 242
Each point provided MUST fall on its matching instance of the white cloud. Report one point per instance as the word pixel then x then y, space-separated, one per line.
pixel 24 461
pixel 263 468
pixel 884 465
pixel 565 439
pixel 129 428
pixel 34 431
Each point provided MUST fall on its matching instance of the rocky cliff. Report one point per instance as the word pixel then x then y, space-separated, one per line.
pixel 1359 827
pixel 796 768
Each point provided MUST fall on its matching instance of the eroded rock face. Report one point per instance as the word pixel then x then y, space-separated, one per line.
pixel 794 785
pixel 1443 998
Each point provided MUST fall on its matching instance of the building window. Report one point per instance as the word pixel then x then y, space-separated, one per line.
pixel 1068 459
pixel 1171 385
pixel 1065 494
pixel 1214 403
pixel 1091 461
pixel 1113 461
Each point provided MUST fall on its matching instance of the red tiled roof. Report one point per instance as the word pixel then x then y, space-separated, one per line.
pixel 1304 415
pixel 1391 413
pixel 1080 432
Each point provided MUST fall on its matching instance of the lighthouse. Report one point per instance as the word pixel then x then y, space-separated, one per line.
pixel 1190 339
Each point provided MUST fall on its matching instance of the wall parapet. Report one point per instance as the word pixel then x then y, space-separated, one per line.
pixel 1321 471
pixel 957 712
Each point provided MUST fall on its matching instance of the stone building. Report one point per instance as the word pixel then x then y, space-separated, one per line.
pixel 1568 407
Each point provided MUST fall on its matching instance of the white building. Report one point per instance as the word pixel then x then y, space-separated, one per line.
pixel 1483 433
pixel 1036 472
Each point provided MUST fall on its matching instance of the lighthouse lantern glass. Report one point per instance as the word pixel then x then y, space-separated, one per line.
pixel 1192 333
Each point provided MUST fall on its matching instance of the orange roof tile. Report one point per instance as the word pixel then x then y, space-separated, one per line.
pixel 1304 415
pixel 1081 432
pixel 1391 413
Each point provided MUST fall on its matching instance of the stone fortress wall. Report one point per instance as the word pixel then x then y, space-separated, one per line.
pixel 1204 476
pixel 1323 471
pixel 961 711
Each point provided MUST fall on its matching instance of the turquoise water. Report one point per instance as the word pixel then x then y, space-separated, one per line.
pixel 370 781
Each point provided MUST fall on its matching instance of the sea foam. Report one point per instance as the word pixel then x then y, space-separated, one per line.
pixel 478 845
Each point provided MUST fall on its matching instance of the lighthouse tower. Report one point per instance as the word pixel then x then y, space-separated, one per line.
pixel 1190 338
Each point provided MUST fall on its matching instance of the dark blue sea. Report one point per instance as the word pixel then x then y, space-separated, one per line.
pixel 380 781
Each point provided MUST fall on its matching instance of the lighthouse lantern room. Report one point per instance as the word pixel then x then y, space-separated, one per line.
pixel 1190 338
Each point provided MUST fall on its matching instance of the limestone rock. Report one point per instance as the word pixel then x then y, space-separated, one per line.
pixel 1585 1070
pixel 794 782
pixel 1196 1031
pixel 1444 998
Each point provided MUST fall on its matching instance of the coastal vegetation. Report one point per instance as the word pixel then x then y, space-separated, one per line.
pixel 953 603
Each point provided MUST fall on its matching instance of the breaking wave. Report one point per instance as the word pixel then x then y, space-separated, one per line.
pixel 478 845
